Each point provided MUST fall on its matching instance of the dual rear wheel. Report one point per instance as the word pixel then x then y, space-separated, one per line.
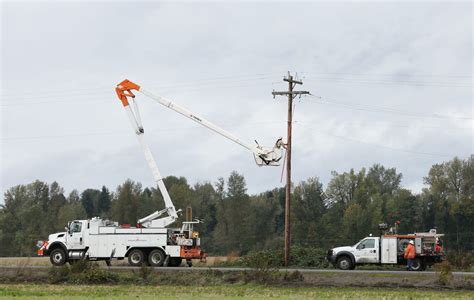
pixel 155 258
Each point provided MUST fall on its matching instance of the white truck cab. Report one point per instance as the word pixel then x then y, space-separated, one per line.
pixel 388 249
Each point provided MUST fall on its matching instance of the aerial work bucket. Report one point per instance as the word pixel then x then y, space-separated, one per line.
pixel 267 157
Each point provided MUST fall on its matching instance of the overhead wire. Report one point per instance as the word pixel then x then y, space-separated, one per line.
pixel 165 89
pixel 387 74
pixel 462 81
pixel 382 146
pixel 388 82
pixel 174 129
pixel 372 108
pixel 378 145
pixel 193 87
pixel 154 83
pixel 250 77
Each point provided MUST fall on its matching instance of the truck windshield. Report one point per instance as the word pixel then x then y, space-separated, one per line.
pixel 76 227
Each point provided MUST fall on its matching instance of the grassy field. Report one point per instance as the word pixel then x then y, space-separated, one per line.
pixel 31 291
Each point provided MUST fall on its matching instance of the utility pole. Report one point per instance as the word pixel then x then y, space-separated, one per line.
pixel 291 95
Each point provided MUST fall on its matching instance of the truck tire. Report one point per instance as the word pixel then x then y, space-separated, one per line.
pixel 344 263
pixel 417 265
pixel 58 257
pixel 136 258
pixel 402 244
pixel 175 261
pixel 156 258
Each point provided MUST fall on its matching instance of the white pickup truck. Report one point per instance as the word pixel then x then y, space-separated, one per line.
pixel 388 249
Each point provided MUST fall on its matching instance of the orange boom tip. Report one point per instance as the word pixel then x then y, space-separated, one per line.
pixel 124 90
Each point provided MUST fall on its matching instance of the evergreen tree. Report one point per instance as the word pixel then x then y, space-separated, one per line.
pixel 89 200
pixel 103 201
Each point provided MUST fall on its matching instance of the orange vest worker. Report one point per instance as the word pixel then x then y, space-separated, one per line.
pixel 409 252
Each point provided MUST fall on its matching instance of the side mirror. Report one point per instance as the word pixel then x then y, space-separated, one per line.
pixel 363 247
pixel 66 228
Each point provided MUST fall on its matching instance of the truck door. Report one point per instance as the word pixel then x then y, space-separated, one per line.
pixel 75 236
pixel 367 251
pixel 389 250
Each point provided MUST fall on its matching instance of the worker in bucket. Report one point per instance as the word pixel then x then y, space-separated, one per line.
pixel 409 255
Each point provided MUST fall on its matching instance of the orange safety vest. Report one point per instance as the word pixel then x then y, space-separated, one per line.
pixel 409 252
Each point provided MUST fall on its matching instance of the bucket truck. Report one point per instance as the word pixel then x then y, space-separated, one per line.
pixel 152 241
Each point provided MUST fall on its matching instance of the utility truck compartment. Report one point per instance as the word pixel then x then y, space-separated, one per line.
pixel 389 250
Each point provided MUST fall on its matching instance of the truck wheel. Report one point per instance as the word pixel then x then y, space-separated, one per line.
pixel 136 257
pixel 402 244
pixel 156 258
pixel 344 263
pixel 417 265
pixel 175 261
pixel 58 257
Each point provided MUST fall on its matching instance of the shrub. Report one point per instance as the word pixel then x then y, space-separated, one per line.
pixel 144 272
pixel 59 274
pixel 94 276
pixel 79 266
pixel 299 257
pixel 263 259
pixel 308 257
pixel 461 260
pixel 444 271
pixel 295 276
pixel 83 272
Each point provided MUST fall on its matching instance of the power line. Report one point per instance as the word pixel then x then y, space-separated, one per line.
pixel 228 125
pixel 388 74
pixel 383 146
pixel 266 75
pixel 370 108
pixel 381 123
pixel 110 91
pixel 174 129
pixel 173 84
pixel 55 101
pixel 390 82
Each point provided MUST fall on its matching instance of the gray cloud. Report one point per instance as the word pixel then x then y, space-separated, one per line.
pixel 60 62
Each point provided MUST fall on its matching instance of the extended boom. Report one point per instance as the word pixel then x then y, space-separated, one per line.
pixel 263 157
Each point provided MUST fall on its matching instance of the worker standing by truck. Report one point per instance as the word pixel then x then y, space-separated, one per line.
pixel 409 254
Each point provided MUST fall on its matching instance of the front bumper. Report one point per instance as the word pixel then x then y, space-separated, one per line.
pixel 330 257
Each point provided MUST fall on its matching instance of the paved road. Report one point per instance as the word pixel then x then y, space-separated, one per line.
pixel 228 269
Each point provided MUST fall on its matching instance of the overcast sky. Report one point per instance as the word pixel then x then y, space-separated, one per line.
pixel 392 85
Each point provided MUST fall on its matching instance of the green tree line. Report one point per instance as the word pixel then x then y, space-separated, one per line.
pixel 349 208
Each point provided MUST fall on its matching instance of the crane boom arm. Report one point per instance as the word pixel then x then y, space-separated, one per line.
pixel 263 156
pixel 124 90
pixel 151 220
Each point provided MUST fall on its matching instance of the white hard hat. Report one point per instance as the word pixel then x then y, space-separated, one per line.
pixel 411 242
